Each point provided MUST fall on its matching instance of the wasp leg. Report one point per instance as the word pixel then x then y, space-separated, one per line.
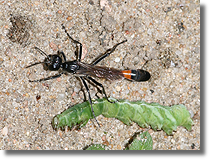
pixel 86 87
pixel 64 56
pixel 77 42
pixel 107 53
pixel 103 90
pixel 48 78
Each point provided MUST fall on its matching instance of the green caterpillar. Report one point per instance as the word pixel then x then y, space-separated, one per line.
pixel 144 114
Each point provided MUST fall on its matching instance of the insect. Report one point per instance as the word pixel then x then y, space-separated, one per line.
pixel 144 114
pixel 58 62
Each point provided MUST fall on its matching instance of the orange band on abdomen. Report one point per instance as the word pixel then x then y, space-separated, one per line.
pixel 127 74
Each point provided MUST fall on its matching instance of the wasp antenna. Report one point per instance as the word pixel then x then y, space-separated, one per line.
pixel 34 64
pixel 42 52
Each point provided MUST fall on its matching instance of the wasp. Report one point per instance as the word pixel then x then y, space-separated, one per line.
pixel 87 72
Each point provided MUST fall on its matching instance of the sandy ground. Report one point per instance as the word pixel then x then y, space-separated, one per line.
pixel 163 38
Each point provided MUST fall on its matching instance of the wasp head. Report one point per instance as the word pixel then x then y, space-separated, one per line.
pixel 53 63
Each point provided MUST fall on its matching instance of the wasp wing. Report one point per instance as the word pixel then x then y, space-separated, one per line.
pixel 98 71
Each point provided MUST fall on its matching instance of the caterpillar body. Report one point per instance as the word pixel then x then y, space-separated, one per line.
pixel 144 114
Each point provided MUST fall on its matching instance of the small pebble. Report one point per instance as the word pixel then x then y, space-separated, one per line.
pixel 117 59
pixel 69 18
pixel 119 147
pixel 118 88
pixel 191 113
pixel 53 46
pixel 61 96
pixel 59 12
pixel 5 131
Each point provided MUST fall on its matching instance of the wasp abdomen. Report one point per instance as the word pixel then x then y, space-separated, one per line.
pixel 136 75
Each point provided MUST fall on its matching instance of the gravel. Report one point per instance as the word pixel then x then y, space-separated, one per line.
pixel 163 38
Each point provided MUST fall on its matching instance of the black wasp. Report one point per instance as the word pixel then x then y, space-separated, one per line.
pixel 85 72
